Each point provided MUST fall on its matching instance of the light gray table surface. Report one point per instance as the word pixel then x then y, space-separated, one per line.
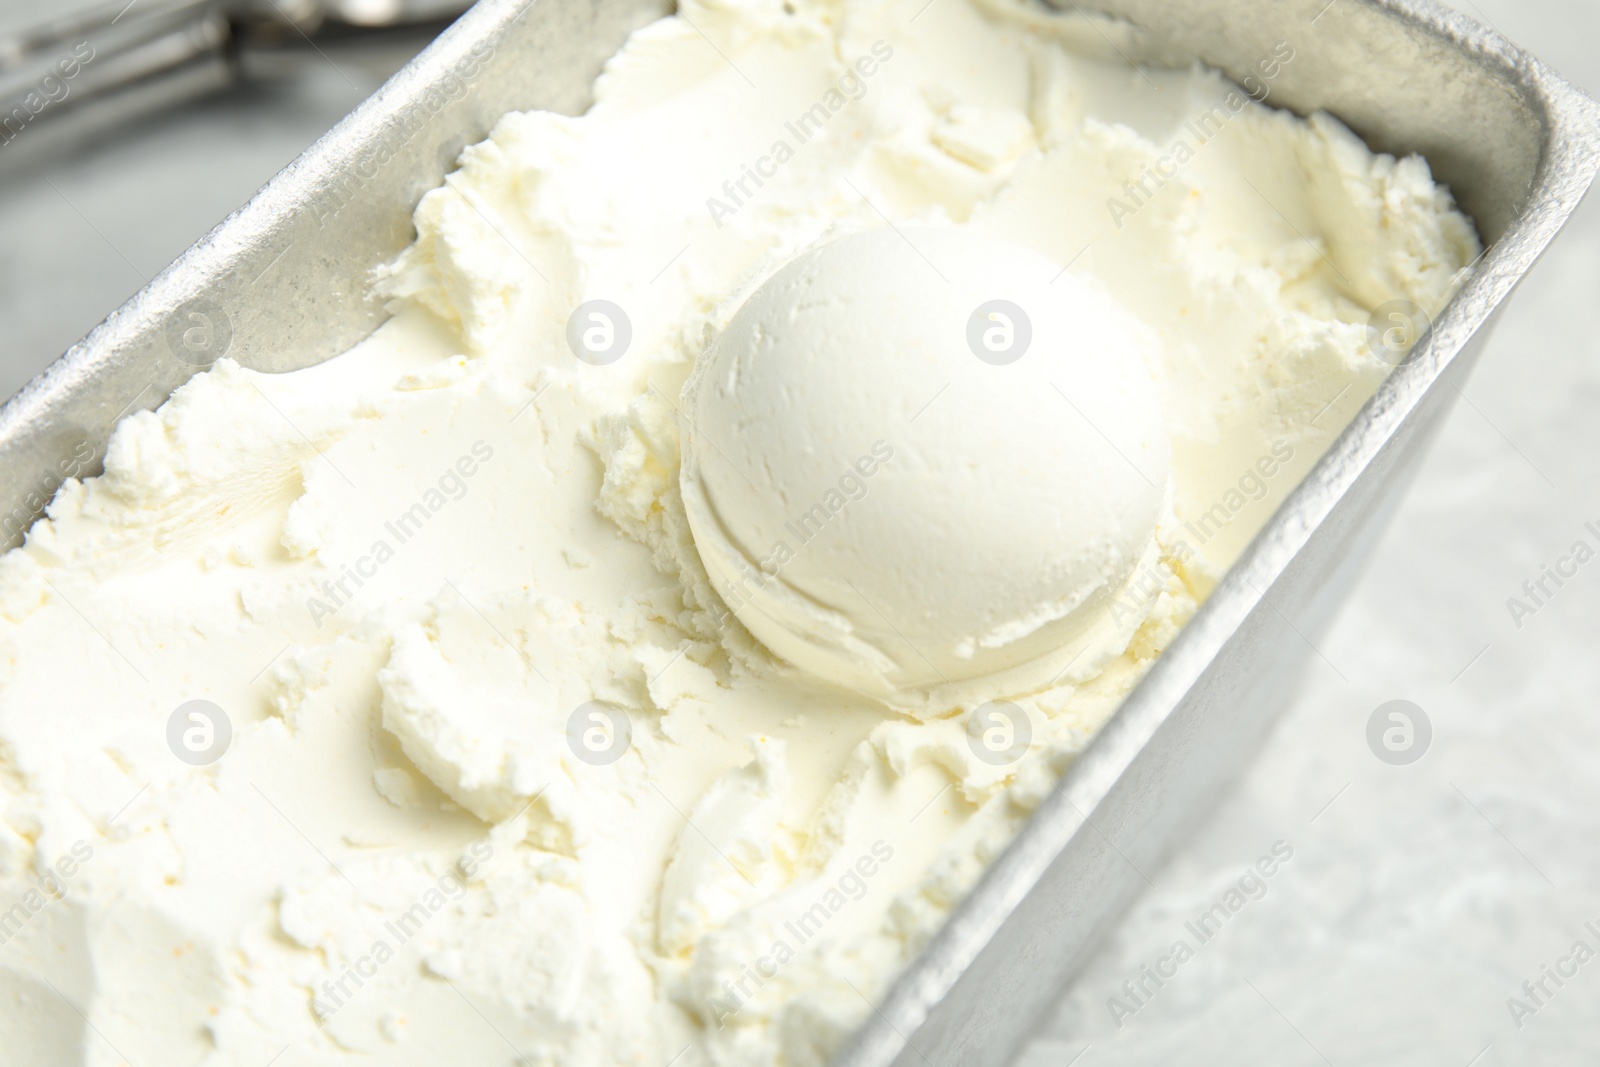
pixel 1419 898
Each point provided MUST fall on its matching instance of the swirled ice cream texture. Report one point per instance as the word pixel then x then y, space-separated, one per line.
pixel 400 573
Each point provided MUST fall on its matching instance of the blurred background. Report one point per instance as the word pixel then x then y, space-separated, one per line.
pixel 94 204
pixel 1419 897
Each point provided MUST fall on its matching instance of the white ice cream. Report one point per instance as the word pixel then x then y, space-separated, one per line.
pixel 504 777
pixel 878 491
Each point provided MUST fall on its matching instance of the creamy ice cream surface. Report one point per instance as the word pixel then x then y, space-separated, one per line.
pixel 399 710
pixel 876 563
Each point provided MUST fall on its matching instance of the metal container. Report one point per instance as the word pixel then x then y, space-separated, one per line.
pixel 282 284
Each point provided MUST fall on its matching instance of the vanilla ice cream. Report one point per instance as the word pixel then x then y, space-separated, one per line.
pixel 880 564
pixel 410 709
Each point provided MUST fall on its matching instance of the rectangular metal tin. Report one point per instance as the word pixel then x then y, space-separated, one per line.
pixel 288 274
